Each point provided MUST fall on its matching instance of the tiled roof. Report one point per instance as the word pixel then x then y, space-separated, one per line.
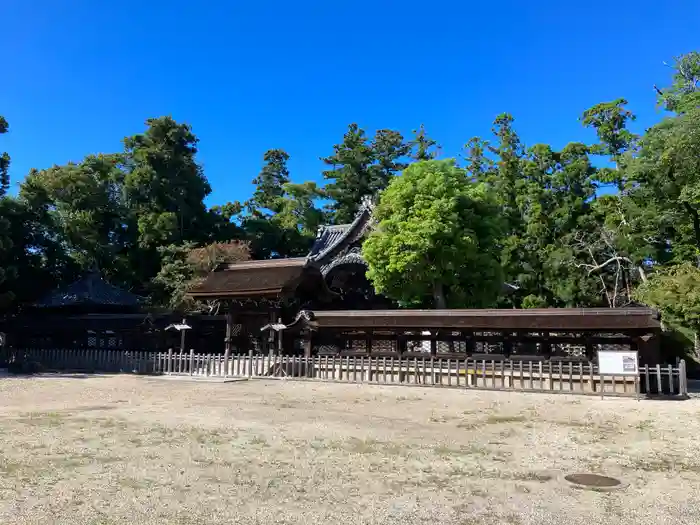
pixel 90 290
pixel 331 240
pixel 328 238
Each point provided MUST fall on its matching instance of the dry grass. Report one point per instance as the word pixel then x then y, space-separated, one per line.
pixel 128 450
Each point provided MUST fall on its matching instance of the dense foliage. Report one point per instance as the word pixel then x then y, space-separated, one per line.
pixel 532 216
pixel 436 241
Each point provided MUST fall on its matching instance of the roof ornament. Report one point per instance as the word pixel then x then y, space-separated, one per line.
pixel 367 203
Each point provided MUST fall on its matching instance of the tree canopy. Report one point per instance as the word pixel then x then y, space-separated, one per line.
pixel 435 243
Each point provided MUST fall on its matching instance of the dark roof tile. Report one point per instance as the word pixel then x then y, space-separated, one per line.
pixel 90 290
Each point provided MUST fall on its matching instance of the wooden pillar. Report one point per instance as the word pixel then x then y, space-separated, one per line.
pixel 274 316
pixel 307 343
pixel 228 343
pixel 280 339
pixel 649 349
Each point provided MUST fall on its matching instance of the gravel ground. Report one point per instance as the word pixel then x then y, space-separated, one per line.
pixel 133 450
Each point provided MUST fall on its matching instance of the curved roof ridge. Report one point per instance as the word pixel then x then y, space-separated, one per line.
pixel 342 232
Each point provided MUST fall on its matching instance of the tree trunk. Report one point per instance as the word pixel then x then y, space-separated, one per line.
pixel 439 296
pixel 696 344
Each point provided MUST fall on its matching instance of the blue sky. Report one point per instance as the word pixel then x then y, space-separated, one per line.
pixel 80 75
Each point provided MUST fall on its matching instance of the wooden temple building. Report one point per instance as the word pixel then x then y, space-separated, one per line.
pixel 256 294
pixel 88 313
pixel 91 313
pixel 324 304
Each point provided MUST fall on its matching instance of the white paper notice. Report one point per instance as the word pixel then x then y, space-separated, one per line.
pixel 612 363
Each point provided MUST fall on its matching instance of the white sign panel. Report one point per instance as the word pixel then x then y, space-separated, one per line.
pixel 612 363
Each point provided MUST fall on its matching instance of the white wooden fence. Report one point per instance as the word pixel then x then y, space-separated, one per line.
pixel 541 376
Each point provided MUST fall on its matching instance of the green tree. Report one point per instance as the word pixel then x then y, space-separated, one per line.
pixel 282 217
pixel 269 184
pixel 350 174
pixel 502 174
pixel 185 265
pixel 553 203
pixel 389 154
pixel 666 177
pixel 6 270
pixel 4 161
pixel 675 291
pixel 84 208
pixel 164 184
pixel 436 241
pixel 299 211
pixel 30 257
pixel 361 167
pixel 610 121
pixel 422 146
pixel 684 93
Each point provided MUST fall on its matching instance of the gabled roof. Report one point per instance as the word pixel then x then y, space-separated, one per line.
pixel 271 279
pixel 251 278
pixel 332 240
pixel 90 290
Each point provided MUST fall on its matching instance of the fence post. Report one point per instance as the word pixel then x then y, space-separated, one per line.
pixel 191 361
pixel 250 363
pixel 169 368
pixel 682 379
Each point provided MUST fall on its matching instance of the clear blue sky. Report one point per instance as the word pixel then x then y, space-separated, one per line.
pixel 78 76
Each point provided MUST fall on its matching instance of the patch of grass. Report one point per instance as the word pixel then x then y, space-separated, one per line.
pixel 468 425
pixel 95 408
pixel 440 419
pixel 259 440
pixel 373 446
pixel 572 423
pixel 458 472
pixel 134 484
pixel 111 423
pixel 12 468
pixel 42 419
pixel 645 425
pixel 207 437
pixel 88 456
pixel 479 493
pixel 445 451
pixel 498 419
pixel 489 519
pixel 210 462
pixel 541 477
pixel 663 464
pixel 508 433
pixel 363 446
pixel 409 398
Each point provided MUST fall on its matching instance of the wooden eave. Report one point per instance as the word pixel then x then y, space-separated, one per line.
pixel 560 319
pixel 254 279
pixel 268 279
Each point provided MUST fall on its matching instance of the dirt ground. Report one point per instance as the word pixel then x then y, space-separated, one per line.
pixel 134 450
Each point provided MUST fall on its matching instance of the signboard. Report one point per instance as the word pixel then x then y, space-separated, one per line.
pixel 616 363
